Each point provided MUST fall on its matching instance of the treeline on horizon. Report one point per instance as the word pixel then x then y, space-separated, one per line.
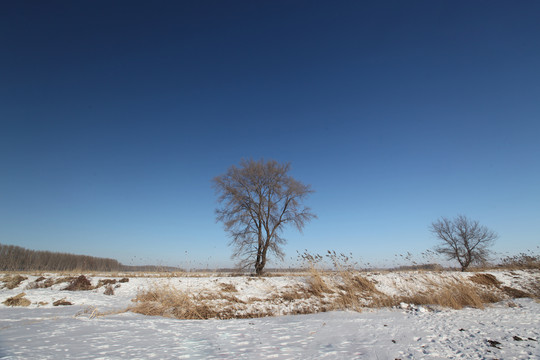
pixel 16 258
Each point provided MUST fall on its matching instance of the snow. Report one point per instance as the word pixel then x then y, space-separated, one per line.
pixel 499 331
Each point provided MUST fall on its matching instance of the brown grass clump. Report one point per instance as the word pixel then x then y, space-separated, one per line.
pixel 170 302
pixel 123 280
pixel 358 283
pixel 485 279
pixel 453 295
pixel 228 287
pixel 80 283
pixel 18 300
pixel 12 281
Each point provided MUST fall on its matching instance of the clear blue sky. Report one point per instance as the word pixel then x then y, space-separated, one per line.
pixel 115 116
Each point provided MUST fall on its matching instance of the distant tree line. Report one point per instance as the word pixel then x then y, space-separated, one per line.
pixel 16 258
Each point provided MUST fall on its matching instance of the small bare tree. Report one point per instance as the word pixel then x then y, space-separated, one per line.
pixel 258 199
pixel 463 239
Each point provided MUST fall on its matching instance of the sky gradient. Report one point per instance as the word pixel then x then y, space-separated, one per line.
pixel 115 117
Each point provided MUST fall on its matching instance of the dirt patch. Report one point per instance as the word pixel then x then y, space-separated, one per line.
pixel 485 279
pixel 18 300
pixel 80 283
pixel 11 282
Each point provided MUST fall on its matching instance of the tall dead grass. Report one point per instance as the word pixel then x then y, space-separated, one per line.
pixel 485 279
pixel 453 294
pixel 167 301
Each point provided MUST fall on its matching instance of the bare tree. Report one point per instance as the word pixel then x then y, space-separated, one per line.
pixel 463 239
pixel 258 199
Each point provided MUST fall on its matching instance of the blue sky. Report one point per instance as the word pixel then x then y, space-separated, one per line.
pixel 115 117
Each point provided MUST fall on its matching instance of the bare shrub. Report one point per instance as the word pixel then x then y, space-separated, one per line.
pixel 18 300
pixel 12 281
pixel 485 279
pixel 170 302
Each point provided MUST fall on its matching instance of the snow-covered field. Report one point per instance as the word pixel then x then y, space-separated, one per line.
pixel 509 329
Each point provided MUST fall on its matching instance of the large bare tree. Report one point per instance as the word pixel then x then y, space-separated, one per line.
pixel 258 199
pixel 463 240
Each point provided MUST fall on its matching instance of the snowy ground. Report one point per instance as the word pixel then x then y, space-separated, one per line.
pixel 46 332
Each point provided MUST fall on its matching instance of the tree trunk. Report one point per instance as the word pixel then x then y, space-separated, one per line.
pixel 259 268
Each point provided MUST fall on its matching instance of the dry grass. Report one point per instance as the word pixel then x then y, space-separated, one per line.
pixel 18 300
pixel 12 281
pixel 316 284
pixel 356 292
pixel 485 279
pixel 228 287
pixel 80 283
pixel 170 302
pixel 453 295
pixel 290 293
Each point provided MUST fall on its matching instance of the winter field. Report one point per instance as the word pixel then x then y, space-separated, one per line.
pixel 367 315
